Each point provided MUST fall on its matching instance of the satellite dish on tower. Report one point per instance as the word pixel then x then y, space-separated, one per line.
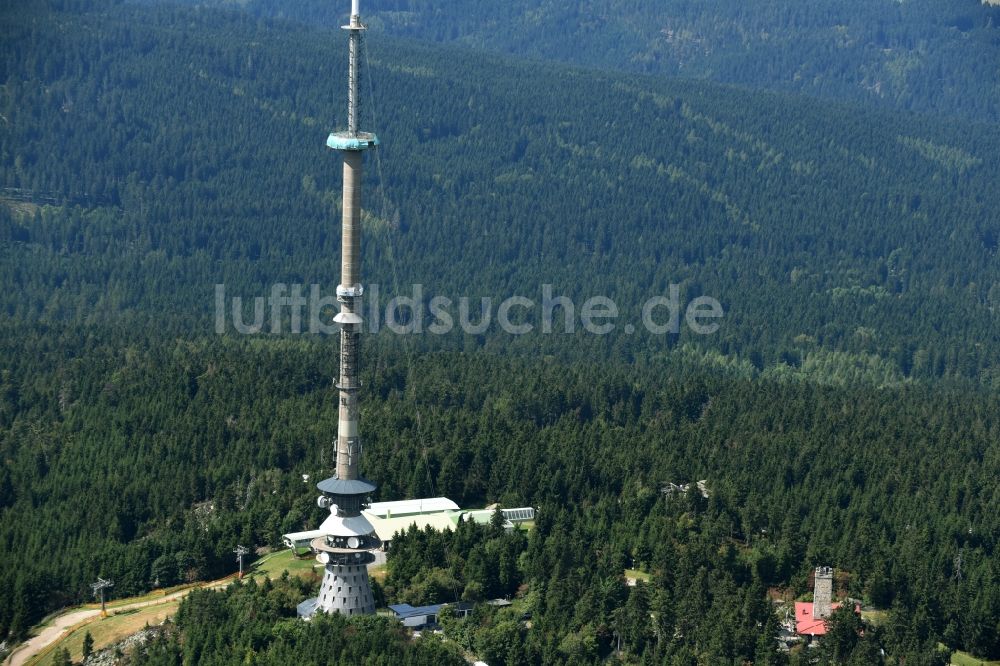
pixel 323 558
pixel 353 542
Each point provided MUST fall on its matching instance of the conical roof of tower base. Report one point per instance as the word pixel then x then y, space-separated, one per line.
pixel 335 486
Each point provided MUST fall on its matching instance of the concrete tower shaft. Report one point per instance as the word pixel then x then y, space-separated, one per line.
pixel 350 265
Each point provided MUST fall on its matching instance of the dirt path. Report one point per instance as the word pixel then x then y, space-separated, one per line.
pixel 48 635
pixel 64 624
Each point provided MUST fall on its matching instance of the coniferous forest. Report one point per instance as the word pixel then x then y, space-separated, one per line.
pixel 925 56
pixel 845 413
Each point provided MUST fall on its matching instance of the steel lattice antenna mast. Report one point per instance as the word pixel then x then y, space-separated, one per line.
pixel 348 535
pixel 99 588
pixel 240 552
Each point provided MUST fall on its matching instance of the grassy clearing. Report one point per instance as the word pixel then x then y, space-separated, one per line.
pixel 107 630
pixel 959 658
pixel 111 605
pixel 274 564
pixel 20 208
pixel 638 575
pixel 125 622
pixel 875 617
pixel 150 596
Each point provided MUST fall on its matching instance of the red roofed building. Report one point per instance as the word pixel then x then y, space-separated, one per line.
pixel 810 617
pixel 805 623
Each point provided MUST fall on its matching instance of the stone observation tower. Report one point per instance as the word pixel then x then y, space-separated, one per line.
pixel 822 592
pixel 348 537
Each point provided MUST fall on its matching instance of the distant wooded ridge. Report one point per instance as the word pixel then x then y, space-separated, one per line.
pixel 844 244
pixel 929 56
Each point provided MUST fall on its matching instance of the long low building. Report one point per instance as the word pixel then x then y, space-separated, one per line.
pixel 412 507
pixel 418 617
pixel 438 513
pixel 385 528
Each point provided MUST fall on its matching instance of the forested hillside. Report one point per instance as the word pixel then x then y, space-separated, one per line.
pixel 257 624
pixel 147 459
pixel 140 162
pixel 845 413
pixel 933 56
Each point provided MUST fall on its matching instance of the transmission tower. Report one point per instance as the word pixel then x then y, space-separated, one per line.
pixel 345 549
pixel 240 552
pixel 99 588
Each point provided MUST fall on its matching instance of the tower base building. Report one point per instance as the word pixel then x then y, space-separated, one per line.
pixel 344 550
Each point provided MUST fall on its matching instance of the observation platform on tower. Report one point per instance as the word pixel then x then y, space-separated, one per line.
pixel 350 141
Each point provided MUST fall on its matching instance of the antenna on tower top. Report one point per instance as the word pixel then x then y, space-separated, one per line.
pixel 355 27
